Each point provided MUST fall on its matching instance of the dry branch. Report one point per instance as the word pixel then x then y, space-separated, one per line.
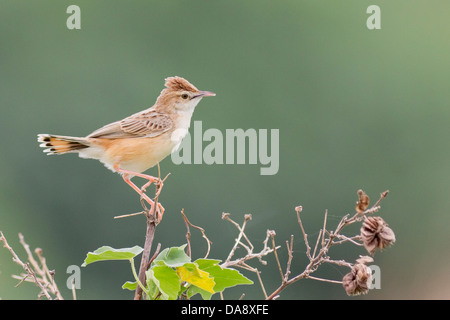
pixel 37 273
pixel 328 239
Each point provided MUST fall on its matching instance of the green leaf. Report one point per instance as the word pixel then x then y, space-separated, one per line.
pixel 193 290
pixel 172 257
pixel 223 277
pixel 129 285
pixel 108 253
pixel 152 288
pixel 166 280
pixel 190 273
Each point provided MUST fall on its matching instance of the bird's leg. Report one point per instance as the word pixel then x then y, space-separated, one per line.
pixel 126 178
pixel 159 212
pixel 157 182
pixel 159 209
pixel 150 179
pixel 126 175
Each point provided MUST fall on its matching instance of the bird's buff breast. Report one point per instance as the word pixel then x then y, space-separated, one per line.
pixel 137 154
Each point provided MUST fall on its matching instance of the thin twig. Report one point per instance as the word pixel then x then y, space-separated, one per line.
pixel 290 250
pixel 348 239
pixel 326 243
pixel 74 294
pixel 325 280
pixel 272 236
pixel 242 262
pixel 338 262
pixel 188 234
pixel 149 236
pixel 382 196
pixel 324 227
pixel 27 267
pixel 129 215
pixel 317 242
pixel 158 248
pixel 305 236
pixel 226 216
pixel 258 274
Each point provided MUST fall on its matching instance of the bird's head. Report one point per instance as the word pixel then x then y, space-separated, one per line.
pixel 180 95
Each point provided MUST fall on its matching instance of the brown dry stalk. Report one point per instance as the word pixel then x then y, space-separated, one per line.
pixel 37 273
pixel 315 260
pixel 188 235
pixel 151 215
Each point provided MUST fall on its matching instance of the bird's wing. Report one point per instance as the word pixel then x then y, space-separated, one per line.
pixel 143 124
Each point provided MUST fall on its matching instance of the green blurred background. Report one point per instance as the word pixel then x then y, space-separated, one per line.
pixel 355 109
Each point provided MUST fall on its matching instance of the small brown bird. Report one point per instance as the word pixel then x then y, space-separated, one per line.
pixel 140 141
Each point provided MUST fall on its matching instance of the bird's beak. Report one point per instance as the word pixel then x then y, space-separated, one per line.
pixel 204 94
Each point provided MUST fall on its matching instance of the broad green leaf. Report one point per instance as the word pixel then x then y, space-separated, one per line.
pixel 108 253
pixel 193 290
pixel 190 273
pixel 129 285
pixel 167 281
pixel 223 277
pixel 172 257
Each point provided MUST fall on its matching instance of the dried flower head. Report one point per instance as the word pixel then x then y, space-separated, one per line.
pixel 271 233
pixel 359 279
pixel 225 215
pixel 375 234
pixel 363 202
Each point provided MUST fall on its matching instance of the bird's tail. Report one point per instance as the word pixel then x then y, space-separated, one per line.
pixel 61 144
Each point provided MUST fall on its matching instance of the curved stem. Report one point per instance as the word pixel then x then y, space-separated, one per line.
pixel 133 269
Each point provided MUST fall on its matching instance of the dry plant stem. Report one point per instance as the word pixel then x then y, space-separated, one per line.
pixel 317 242
pixel 258 274
pixel 324 280
pixel 348 239
pixel 47 277
pixel 326 243
pixel 74 293
pixel 42 283
pixel 314 261
pixel 305 236
pixel 241 231
pixel 242 262
pixel 149 236
pixel 290 249
pixel 188 235
pixel 272 236
pixel 158 248
pixel 324 227
pixel 44 272
pixel 129 215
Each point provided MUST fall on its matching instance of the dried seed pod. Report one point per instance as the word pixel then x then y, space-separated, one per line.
pixel 364 260
pixel 359 279
pixel 363 202
pixel 375 234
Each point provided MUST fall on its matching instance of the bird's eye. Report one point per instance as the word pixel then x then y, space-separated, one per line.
pixel 185 96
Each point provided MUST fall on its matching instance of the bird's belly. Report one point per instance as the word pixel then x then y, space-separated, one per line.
pixel 137 154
